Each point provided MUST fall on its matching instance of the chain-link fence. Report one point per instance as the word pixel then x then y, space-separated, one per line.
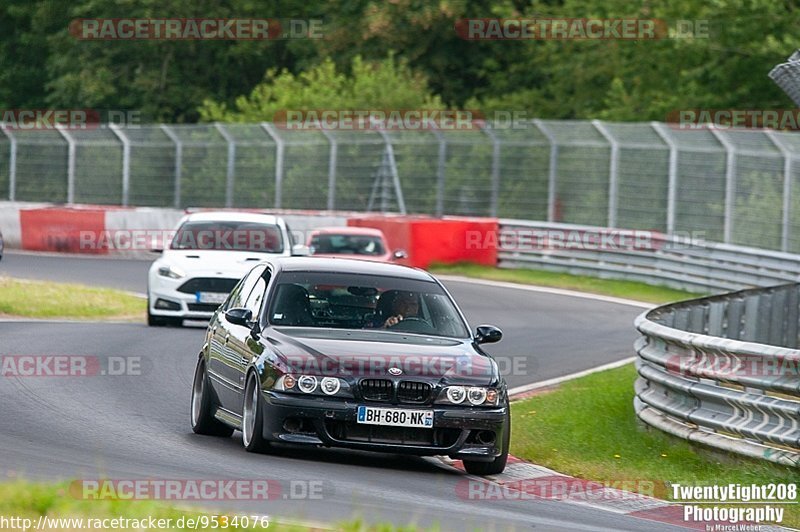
pixel 735 186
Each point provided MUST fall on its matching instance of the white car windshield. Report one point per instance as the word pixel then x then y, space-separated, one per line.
pixel 229 235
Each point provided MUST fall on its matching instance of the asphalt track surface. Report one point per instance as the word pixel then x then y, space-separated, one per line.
pixel 137 426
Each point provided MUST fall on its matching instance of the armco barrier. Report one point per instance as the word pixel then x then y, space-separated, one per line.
pixel 646 256
pixel 724 371
pixel 429 240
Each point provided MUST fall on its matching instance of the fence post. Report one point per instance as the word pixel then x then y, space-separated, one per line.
pixel 178 162
pixel 551 170
pixel 12 163
pixel 279 154
pixel 613 173
pixel 788 162
pixel 230 174
pixel 70 163
pixel 495 192
pixel 730 183
pixel 672 186
pixel 398 190
pixel 441 167
pixel 126 162
pixel 332 161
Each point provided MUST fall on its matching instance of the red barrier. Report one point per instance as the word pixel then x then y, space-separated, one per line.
pixel 59 229
pixel 444 240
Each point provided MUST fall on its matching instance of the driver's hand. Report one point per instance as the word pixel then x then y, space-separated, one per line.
pixel 391 321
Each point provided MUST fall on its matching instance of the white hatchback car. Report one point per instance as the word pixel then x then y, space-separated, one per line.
pixel 208 255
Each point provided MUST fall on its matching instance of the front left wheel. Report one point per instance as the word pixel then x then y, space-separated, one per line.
pixel 203 420
pixel 496 466
pixel 253 417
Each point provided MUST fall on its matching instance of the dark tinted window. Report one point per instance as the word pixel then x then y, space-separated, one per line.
pixel 231 236
pixel 331 244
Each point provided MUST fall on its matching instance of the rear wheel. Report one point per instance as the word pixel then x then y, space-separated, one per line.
pixel 496 466
pixel 203 420
pixel 253 417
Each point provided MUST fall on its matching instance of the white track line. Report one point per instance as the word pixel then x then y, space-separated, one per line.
pixel 558 380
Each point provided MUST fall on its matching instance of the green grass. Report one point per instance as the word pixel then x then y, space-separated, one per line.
pixel 39 299
pixel 624 289
pixel 587 428
pixel 30 500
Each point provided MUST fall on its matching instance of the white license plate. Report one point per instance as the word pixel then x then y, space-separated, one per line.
pixel 211 297
pixel 395 417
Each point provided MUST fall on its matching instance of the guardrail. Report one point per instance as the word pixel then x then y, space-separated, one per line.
pixel 676 261
pixel 724 371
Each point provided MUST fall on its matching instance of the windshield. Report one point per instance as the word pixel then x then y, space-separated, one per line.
pixel 333 244
pixel 347 301
pixel 230 236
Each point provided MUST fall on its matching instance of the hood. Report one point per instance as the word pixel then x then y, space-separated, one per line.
pixel 210 262
pixel 354 353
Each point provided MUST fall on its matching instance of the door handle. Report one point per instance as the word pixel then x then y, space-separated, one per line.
pixel 227 337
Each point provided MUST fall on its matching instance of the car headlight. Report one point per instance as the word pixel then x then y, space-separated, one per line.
pixel 310 384
pixel 474 395
pixel 173 272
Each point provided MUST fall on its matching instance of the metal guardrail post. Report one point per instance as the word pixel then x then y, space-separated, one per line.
pixel 12 163
pixel 280 148
pixel 613 173
pixel 126 161
pixel 552 170
pixel 230 173
pixel 333 156
pixel 672 177
pixel 495 190
pixel 441 168
pixel 70 163
pixel 730 183
pixel 178 162
pixel 788 162
pixel 398 189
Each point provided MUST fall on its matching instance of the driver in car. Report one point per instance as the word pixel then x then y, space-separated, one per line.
pixel 404 305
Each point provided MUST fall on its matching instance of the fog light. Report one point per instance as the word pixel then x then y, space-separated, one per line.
pixel 456 394
pixel 307 383
pixel 330 385
pixel 163 304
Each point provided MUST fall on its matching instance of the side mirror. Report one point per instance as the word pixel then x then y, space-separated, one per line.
pixel 239 316
pixel 299 250
pixel 488 334
pixel 399 254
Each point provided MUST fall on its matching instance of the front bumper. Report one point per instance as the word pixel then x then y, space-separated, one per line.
pixel 457 431
pixel 188 307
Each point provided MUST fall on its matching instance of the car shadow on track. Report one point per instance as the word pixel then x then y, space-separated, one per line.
pixel 311 454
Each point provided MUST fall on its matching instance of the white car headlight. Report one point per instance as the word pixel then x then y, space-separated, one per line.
pixel 474 395
pixel 173 272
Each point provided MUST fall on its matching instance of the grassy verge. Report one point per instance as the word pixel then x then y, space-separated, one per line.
pixel 39 299
pixel 587 428
pixel 30 501
pixel 625 289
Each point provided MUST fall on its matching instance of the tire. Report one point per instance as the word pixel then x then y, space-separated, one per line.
pixel 253 417
pixel 203 420
pixel 496 466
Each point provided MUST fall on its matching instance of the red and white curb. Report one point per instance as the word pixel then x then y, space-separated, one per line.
pixel 523 481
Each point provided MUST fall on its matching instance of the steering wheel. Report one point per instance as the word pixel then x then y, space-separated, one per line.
pixel 415 324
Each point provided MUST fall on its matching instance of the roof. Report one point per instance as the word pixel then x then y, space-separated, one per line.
pixel 348 230
pixel 232 216
pixel 354 266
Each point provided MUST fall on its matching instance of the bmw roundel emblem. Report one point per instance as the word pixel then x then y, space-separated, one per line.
pixel 395 371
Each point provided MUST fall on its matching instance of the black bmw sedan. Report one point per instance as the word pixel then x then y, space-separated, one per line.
pixel 352 354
